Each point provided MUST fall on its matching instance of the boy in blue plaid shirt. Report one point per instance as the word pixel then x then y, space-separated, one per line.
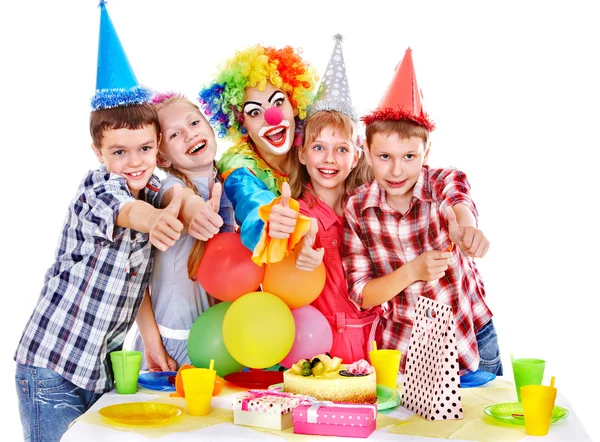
pixel 92 292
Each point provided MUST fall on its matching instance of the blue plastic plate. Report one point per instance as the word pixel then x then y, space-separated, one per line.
pixel 476 379
pixel 157 380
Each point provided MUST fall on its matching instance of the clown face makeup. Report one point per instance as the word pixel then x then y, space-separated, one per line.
pixel 269 120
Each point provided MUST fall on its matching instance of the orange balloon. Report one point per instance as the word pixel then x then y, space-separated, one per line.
pixel 295 287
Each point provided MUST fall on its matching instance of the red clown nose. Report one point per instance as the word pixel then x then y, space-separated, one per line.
pixel 273 116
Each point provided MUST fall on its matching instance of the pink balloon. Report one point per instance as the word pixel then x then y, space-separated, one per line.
pixel 313 335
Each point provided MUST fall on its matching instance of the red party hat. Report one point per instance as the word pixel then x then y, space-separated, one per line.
pixel 403 99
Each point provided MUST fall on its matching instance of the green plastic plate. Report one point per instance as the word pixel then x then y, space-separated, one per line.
pixel 387 398
pixel 512 413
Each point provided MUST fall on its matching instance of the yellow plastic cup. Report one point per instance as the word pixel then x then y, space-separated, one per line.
pixel 126 369
pixel 538 403
pixel 386 364
pixel 527 371
pixel 198 384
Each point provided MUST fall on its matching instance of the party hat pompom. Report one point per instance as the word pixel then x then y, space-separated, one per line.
pixel 159 98
pixel 334 93
pixel 116 84
pixel 403 99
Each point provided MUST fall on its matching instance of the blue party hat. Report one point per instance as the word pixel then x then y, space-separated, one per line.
pixel 116 84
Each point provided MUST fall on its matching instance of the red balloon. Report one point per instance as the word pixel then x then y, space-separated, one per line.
pixel 226 270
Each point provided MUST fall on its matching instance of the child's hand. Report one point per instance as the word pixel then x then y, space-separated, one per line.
pixel 207 222
pixel 282 219
pixel 158 359
pixel 470 239
pixel 165 228
pixel 307 258
pixel 430 266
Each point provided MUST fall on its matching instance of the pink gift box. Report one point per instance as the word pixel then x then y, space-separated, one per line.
pixel 265 409
pixel 327 418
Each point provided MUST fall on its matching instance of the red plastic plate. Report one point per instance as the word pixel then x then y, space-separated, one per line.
pixel 255 379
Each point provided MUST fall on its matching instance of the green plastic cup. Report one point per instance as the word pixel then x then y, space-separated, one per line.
pixel 126 369
pixel 527 371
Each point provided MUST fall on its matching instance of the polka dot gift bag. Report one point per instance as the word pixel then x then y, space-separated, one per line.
pixel 431 386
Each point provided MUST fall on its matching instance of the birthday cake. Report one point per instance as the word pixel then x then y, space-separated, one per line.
pixel 326 379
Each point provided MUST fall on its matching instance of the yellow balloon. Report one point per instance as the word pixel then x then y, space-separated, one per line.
pixel 258 330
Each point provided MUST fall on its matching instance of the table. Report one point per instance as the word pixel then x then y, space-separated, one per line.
pixel 398 424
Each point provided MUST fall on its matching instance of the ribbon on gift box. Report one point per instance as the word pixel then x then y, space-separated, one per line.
pixel 311 413
pixel 425 330
pixel 256 394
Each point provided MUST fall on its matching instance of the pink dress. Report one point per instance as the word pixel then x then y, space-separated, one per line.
pixel 353 329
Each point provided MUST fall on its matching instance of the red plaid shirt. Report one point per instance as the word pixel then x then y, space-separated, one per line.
pixel 379 239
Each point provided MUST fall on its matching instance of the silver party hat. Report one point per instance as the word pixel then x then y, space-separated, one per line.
pixel 334 93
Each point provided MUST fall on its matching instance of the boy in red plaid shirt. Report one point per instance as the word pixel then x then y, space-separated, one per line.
pixel 401 230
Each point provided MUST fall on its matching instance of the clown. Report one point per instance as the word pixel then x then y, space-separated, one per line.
pixel 257 101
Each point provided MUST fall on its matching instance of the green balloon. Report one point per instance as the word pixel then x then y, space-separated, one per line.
pixel 205 342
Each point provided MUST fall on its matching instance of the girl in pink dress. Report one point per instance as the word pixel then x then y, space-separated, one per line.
pixel 331 166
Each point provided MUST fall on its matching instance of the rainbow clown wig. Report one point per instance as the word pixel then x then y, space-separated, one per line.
pixel 222 101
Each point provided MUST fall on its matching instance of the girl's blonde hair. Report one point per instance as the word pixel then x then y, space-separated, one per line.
pixel 340 122
pixel 197 251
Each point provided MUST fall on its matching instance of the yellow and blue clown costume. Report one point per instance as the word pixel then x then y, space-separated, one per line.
pixel 251 184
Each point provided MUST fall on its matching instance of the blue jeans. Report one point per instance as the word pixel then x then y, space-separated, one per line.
pixel 489 351
pixel 48 403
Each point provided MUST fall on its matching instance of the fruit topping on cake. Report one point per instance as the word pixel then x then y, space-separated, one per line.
pixel 317 366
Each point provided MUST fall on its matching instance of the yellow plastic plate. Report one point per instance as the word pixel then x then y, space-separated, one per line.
pixel 141 413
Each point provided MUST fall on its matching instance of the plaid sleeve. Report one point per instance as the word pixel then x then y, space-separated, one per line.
pixel 226 213
pixel 449 187
pixel 355 258
pixel 104 200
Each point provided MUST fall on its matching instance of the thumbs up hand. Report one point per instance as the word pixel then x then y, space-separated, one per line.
pixel 165 228
pixel 206 221
pixel 215 198
pixel 307 258
pixel 470 239
pixel 282 219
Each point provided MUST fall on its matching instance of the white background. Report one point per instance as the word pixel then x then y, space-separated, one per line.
pixel 513 88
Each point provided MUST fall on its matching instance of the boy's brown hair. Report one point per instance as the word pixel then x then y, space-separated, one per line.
pixel 403 128
pixel 361 174
pixel 132 117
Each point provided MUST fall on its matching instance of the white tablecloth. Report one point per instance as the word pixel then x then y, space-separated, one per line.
pixel 569 429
